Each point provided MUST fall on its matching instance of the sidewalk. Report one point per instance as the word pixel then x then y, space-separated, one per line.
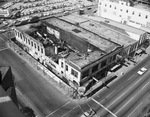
pixel 130 64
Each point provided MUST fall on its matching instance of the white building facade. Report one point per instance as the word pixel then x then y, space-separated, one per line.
pixel 122 11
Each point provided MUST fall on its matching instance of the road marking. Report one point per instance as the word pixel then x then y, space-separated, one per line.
pixel 124 93
pixel 125 104
pixel 58 108
pixel 107 96
pixel 69 111
pixel 110 93
pixel 131 77
pixel 1 38
pixel 4 49
pixel 135 109
pixel 104 107
pixel 145 85
pixel 132 97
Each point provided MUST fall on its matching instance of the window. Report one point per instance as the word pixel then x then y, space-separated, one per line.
pixel 133 13
pixel 115 7
pixel 35 45
pixel 62 64
pixel 114 57
pixel 139 14
pixel 95 68
pixel 74 73
pixel 126 11
pixel 66 67
pixel 111 58
pixel 110 6
pixel 120 9
pixel 103 64
pixel 105 5
pixel 146 16
pixel 31 43
pixel 38 48
pixel 26 40
pixel 41 50
pixel 85 73
pixel 20 35
pixel 100 3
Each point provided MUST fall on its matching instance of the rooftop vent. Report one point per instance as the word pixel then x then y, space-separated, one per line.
pixel 76 30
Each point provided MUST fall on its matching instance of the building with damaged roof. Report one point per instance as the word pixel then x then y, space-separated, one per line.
pixel 70 51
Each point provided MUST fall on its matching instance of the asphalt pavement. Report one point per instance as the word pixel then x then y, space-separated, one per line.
pixel 43 97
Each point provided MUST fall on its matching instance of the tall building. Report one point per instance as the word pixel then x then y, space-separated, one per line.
pixel 136 14
pixel 8 100
pixel 7 82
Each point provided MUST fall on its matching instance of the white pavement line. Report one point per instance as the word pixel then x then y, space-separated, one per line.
pixel 110 93
pixel 58 109
pixel 135 109
pixel 125 105
pixel 132 98
pixel 69 111
pixel 124 93
pixel 1 38
pixel 104 107
pixel 19 92
pixel 145 85
pixel 131 77
pixel 4 49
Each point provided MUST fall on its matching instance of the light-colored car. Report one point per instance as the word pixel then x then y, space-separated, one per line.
pixel 142 71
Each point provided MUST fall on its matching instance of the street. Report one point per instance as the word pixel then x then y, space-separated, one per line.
pixel 121 98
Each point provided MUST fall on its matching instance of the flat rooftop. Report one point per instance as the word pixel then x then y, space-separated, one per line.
pixel 100 42
pixel 115 34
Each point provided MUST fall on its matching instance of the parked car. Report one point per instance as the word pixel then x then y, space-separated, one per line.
pixel 142 71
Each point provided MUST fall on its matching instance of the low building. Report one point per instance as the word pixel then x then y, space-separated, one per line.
pixel 72 52
pixel 136 14
pixel 132 39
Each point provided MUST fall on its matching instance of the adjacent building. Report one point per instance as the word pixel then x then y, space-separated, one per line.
pixel 132 39
pixel 136 14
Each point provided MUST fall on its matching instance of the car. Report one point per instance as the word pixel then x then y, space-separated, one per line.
pixel 142 71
